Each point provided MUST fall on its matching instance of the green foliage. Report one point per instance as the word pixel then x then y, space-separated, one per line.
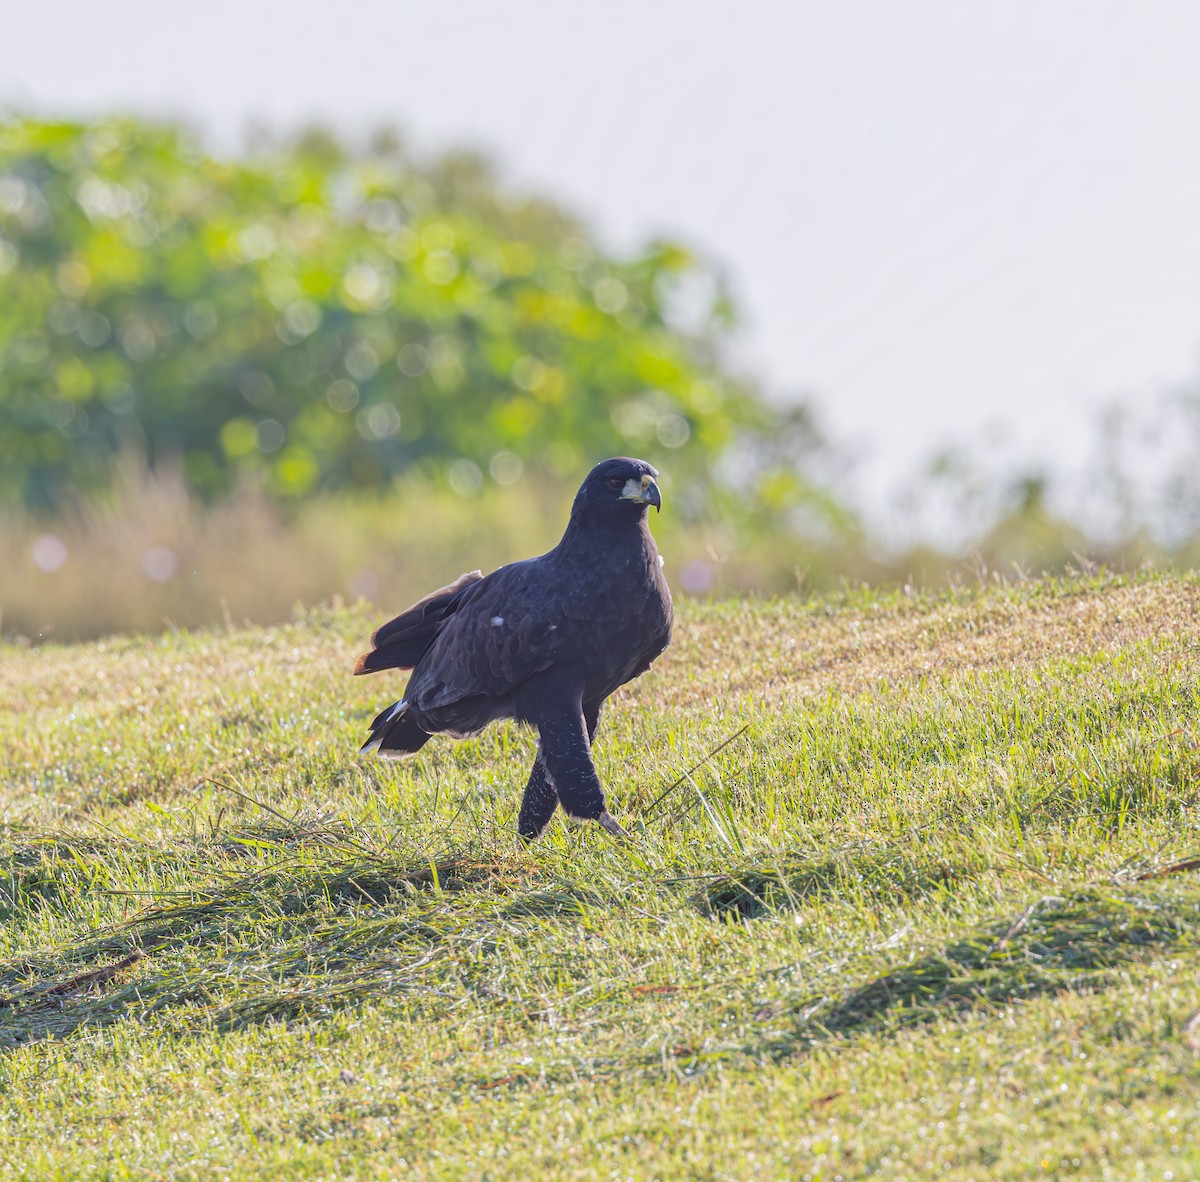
pixel 314 318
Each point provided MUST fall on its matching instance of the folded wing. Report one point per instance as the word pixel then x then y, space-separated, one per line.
pixel 473 642
pixel 400 643
pixel 504 630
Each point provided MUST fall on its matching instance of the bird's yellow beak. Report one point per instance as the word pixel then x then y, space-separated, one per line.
pixel 644 491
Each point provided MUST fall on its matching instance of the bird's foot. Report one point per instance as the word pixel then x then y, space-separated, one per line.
pixel 528 834
pixel 611 825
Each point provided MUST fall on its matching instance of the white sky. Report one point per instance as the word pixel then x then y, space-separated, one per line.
pixel 940 217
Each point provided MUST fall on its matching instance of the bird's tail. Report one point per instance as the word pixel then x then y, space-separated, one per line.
pixel 395 733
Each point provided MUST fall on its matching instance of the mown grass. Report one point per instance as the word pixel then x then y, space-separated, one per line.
pixel 931 910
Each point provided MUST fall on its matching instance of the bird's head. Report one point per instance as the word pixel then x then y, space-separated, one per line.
pixel 618 488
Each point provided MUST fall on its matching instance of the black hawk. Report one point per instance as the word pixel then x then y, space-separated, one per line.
pixel 543 641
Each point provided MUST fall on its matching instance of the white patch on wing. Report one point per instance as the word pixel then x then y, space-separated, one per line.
pixel 661 561
pixel 397 709
pixel 497 621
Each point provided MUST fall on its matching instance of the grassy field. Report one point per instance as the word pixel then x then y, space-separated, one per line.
pixel 931 911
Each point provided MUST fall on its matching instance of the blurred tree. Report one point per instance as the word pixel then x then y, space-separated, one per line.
pixel 318 319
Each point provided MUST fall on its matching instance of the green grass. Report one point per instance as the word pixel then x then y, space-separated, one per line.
pixel 932 910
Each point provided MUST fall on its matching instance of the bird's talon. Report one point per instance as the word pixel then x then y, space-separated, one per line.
pixel 609 823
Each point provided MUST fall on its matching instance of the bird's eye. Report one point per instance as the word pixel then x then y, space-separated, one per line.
pixel 615 482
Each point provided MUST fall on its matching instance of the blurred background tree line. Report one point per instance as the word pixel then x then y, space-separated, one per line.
pixel 230 385
pixel 322 321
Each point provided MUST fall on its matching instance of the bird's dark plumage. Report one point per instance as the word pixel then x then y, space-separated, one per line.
pixel 543 641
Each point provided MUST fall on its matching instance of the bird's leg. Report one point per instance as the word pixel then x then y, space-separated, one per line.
pixel 541 798
pixel 538 803
pixel 591 719
pixel 568 757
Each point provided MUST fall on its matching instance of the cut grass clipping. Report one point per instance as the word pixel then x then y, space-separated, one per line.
pixel 915 889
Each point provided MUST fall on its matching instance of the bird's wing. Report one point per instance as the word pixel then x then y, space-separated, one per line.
pixel 400 643
pixel 505 629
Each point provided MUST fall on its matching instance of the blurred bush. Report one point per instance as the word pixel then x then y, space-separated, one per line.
pixel 313 318
pixel 228 386
pixel 151 554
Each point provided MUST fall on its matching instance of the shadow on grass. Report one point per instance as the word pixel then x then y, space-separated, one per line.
pixel 307 931
pixel 288 940
pixel 1063 943
pixel 871 875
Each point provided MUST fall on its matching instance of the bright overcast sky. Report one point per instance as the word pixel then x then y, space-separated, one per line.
pixel 938 217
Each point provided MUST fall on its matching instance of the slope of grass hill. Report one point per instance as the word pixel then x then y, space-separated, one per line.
pixel 914 892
